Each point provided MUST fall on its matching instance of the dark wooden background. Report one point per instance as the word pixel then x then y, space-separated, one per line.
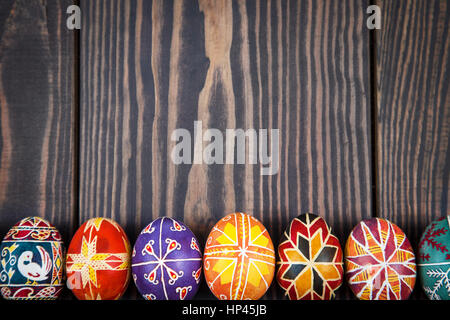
pixel 86 116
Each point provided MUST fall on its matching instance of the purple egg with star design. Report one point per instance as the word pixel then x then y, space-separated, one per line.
pixel 166 262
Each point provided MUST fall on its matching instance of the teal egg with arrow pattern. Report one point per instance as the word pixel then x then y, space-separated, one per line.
pixel 434 259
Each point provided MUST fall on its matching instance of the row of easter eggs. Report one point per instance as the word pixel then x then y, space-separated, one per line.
pixel 238 260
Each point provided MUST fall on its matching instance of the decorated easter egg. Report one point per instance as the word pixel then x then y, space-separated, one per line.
pixel 98 261
pixel 310 265
pixel 32 261
pixel 379 260
pixel 167 261
pixel 239 258
pixel 434 259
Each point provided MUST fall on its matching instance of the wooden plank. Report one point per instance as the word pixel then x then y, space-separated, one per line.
pixel 150 67
pixel 37 114
pixel 413 113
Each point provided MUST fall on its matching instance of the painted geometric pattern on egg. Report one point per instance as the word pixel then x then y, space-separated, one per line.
pixel 310 265
pixel 166 261
pixel 32 256
pixel 380 262
pixel 239 258
pixel 98 260
pixel 434 259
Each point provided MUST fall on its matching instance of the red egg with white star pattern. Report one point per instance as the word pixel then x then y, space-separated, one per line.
pixel 380 262
pixel 98 261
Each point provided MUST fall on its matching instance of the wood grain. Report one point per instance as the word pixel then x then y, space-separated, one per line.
pixel 149 67
pixel 37 114
pixel 413 114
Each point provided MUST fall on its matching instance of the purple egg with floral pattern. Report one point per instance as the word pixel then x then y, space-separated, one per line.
pixel 166 262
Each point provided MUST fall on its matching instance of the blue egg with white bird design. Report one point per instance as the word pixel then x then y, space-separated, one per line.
pixel 31 265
